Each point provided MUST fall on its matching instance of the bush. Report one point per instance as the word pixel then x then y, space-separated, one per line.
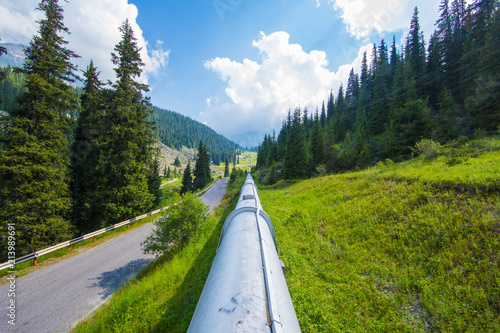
pixel 175 229
pixel 428 148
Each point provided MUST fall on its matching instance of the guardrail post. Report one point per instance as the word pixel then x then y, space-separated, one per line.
pixel 94 238
pixel 69 248
pixel 34 260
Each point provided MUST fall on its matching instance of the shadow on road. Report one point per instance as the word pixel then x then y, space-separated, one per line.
pixel 111 281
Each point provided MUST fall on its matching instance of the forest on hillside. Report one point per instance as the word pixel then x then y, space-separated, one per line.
pixel 175 130
pixel 443 90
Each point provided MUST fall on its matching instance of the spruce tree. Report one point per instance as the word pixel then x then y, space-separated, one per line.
pixel 201 171
pixel 187 180
pixel 226 169
pixel 154 181
pixel 127 150
pixel 34 190
pixel 295 164
pixel 87 174
pixel 317 143
pixel 416 50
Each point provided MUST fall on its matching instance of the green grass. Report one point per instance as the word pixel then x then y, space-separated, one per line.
pixel 409 247
pixel 472 167
pixel 164 296
pixel 371 251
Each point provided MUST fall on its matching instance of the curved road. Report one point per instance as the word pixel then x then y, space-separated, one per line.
pixel 56 298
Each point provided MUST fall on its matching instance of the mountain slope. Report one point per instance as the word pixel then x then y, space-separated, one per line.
pixel 176 131
pixel 14 56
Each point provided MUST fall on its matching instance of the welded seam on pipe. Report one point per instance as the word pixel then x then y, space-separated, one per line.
pixel 276 326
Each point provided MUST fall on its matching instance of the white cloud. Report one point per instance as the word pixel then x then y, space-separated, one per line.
pixel 362 17
pixel 94 31
pixel 262 93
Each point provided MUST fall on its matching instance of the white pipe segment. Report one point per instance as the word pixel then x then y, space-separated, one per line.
pixel 246 290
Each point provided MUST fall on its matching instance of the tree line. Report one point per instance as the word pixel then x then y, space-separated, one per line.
pixel 442 92
pixel 52 188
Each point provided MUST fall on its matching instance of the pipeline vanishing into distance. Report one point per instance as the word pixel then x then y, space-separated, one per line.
pixel 246 289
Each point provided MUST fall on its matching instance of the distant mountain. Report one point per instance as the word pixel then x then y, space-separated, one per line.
pixel 14 56
pixel 176 131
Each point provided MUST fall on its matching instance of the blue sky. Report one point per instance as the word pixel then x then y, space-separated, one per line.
pixel 236 65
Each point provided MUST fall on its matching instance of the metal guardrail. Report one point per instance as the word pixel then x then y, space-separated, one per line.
pixel 35 255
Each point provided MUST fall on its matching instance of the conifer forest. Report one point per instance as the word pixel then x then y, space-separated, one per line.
pixel 442 90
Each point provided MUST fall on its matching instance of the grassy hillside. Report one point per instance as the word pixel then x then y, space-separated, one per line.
pixel 396 248
pixel 408 247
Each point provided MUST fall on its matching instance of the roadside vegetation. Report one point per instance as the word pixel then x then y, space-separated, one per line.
pixel 399 247
pixel 163 297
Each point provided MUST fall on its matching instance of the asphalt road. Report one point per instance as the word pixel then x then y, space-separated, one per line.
pixel 56 298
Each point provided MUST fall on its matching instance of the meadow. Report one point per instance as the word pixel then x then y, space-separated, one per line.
pixel 398 247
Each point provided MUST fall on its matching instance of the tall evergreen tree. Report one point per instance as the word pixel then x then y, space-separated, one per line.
pixel 295 164
pixel 340 116
pixel 34 191
pixel 154 181
pixel 317 143
pixel 129 140
pixel 416 49
pixel 87 174
pixel 323 118
pixel 187 180
pixel 330 109
pixel 202 168
pixel 226 169
pixel 378 117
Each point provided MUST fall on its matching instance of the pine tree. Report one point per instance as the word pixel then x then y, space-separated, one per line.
pixel 317 143
pixel 177 162
pixel 226 169
pixel 409 124
pixel 330 109
pixel 295 164
pixel 87 174
pixel 187 180
pixel 323 116
pixel 34 191
pixel 447 120
pixel 128 144
pixel 169 173
pixel 416 50
pixel 154 181
pixel 202 168
pixel 378 117
pixel 340 116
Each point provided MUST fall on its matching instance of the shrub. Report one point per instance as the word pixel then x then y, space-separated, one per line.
pixel 176 228
pixel 428 148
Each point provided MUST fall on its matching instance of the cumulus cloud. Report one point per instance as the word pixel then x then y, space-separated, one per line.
pixel 362 17
pixel 94 31
pixel 261 93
